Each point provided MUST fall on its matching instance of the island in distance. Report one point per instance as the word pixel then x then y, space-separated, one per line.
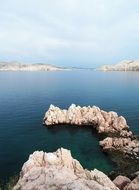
pixel 17 66
pixel 126 65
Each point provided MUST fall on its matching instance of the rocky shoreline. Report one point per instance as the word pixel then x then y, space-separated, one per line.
pixel 118 141
pixel 60 171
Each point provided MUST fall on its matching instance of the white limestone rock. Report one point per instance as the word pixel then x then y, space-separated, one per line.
pixel 106 122
pixel 58 170
pixel 16 66
pixel 125 65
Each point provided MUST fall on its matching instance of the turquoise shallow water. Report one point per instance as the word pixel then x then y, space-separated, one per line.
pixel 25 96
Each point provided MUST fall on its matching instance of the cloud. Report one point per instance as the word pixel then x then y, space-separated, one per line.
pixel 90 32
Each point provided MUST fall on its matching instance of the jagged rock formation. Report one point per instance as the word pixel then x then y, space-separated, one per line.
pixel 16 66
pixel 127 146
pixel 122 66
pixel 59 171
pixel 119 139
pixel 105 122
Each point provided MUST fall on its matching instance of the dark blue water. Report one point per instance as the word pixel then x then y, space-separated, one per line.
pixel 25 96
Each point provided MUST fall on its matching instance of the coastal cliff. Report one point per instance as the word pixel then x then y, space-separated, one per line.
pixel 16 66
pixel 122 66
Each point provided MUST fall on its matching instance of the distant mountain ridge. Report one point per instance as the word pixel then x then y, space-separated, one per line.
pixel 125 65
pixel 17 66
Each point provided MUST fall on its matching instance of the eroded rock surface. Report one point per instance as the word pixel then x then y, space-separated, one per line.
pixel 118 137
pixel 104 122
pixel 127 146
pixel 134 185
pixel 59 171
pixel 121 182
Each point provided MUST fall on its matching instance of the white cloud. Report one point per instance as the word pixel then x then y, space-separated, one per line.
pixel 97 31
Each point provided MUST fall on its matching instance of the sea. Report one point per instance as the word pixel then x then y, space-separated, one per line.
pixel 26 96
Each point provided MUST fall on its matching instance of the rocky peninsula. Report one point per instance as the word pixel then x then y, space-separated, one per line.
pixel 116 138
pixel 126 65
pixel 60 171
pixel 16 66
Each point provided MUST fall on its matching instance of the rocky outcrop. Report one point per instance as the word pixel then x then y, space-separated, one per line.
pixel 127 146
pixel 16 66
pixel 121 181
pixel 122 66
pixel 124 183
pixel 105 122
pixel 134 185
pixel 118 137
pixel 59 171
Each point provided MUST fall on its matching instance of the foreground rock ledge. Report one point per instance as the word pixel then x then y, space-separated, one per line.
pixel 119 139
pixel 59 171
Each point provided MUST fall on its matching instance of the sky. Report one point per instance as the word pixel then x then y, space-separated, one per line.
pixel 82 33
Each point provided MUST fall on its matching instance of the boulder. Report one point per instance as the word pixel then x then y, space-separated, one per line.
pixel 134 185
pixel 121 181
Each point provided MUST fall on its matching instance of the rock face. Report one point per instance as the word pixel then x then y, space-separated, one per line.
pixel 134 185
pixel 16 66
pixel 126 145
pixel 121 182
pixel 105 122
pixel 122 66
pixel 119 139
pixel 124 183
pixel 59 171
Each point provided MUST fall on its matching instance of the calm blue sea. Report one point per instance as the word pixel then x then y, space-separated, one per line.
pixel 26 96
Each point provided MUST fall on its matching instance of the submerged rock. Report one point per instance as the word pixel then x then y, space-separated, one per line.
pixel 59 171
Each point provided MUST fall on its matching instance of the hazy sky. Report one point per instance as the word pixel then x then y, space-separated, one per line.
pixel 84 33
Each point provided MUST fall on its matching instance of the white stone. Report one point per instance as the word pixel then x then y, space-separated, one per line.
pixel 59 170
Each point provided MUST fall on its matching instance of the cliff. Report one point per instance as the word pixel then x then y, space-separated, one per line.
pixel 122 66
pixel 16 66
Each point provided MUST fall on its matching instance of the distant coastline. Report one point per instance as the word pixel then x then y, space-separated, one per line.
pixel 16 66
pixel 126 65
